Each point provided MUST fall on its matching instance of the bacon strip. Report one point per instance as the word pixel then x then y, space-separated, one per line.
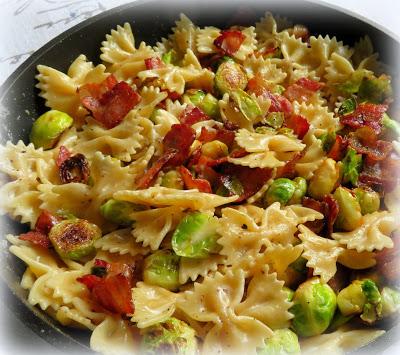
pixel 179 138
pixel 63 155
pixel 192 115
pixel 191 183
pixel 216 133
pixel 229 41
pixel 37 238
pixel 338 149
pixel 46 221
pixel 365 115
pixel 299 124
pixel 154 63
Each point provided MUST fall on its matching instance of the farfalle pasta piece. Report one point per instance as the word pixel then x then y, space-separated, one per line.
pixel 264 67
pixel 184 35
pixel 41 295
pixel 150 97
pixel 61 90
pixel 153 225
pixel 231 114
pixel 267 150
pixel 73 318
pixel 321 253
pixel 163 196
pixel 153 304
pixel 121 242
pixel 113 336
pixel 205 39
pixel 249 44
pixel 294 49
pixel 355 260
pixel 313 157
pixel 373 233
pixel 191 269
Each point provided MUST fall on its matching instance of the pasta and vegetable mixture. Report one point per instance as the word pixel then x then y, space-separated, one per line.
pixel 225 191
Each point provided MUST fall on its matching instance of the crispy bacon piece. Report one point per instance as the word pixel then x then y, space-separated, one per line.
pixel 265 52
pixel 366 114
pixel 113 291
pixel 98 89
pixel 310 84
pixel 154 63
pixel 216 133
pixel 45 222
pixel 338 148
pixel 279 103
pixel 365 141
pixel 180 137
pixel 288 170
pixel 192 115
pixel 37 238
pixel 252 179
pixel 109 107
pixel 302 90
pixel 74 169
pixel 229 41
pixel 191 183
pixel 381 175
pixel 332 211
pixel 63 155
pixel 148 178
pixel 299 124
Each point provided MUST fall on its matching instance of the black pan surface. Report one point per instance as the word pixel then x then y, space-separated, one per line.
pixel 150 20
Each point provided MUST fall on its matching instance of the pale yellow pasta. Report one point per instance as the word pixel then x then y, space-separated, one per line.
pixel 191 269
pixel 355 260
pixel 205 39
pixel 259 66
pixel 313 157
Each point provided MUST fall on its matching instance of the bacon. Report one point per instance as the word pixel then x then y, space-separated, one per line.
pixel 288 170
pixel 332 211
pixel 180 138
pixel 192 115
pixel 365 141
pixel 45 222
pixel 216 133
pixel 37 238
pixel 299 124
pixel 310 84
pixel 279 103
pixel 191 183
pixel 302 90
pixel 110 108
pixel 381 175
pixel 338 148
pixel 148 178
pixel 154 63
pixel 63 154
pixel 229 41
pixel 74 169
pixel 252 179
pixel 265 52
pixel 366 114
pixel 98 89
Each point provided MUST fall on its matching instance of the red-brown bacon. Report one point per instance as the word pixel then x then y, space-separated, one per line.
pixel 191 183
pixel 229 41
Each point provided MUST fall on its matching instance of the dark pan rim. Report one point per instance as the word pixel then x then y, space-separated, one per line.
pixel 35 318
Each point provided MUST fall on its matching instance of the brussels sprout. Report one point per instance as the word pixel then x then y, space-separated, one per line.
pixel 162 269
pixel 313 309
pixel 264 130
pixel 347 106
pixel 324 179
pixel 274 119
pixel 391 124
pixel 281 190
pixel 290 293
pixel 301 189
pixel 247 105
pixel 327 140
pixel 352 164
pixel 173 180
pixel 349 217
pixel 210 106
pixel 47 129
pixel 170 337
pixel 215 149
pixel 278 89
pixel 296 273
pixel 194 96
pixel 338 320
pixel 373 307
pixel 351 300
pixel 283 342
pixel 170 57
pixel 196 236
pixel 375 90
pixel 119 212
pixel 352 85
pixel 74 238
pixel 230 76
pixel 369 200
pixel 230 186
pixel 390 301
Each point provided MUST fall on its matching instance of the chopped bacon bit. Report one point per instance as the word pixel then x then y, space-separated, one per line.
pixel 279 103
pixel 338 149
pixel 63 154
pixel 381 175
pixel 75 169
pixel 110 107
pixel 89 281
pixel 310 84
pixel 192 115
pixel 365 141
pixel 318 225
pixel 288 170
pixel 299 124
pixel 180 138
pixel 37 238
pixel 332 209
pixel 264 52
pixel 302 90
pixel 216 133
pixel 229 41
pixel 154 63
pixel 366 114
pixel 230 126
pixel 191 183
pixel 45 222
pixel 148 178
pixel 98 89
pixel 252 179
pixel 101 263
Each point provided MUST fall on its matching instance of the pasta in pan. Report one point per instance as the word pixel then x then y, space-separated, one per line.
pixel 225 191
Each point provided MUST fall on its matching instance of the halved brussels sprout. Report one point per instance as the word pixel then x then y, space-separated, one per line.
pixel 173 180
pixel 352 85
pixel 369 200
pixel 391 124
pixel 352 164
pixel 119 212
pixel 47 129
pixel 313 309
pixel 327 140
pixel 300 191
pixel 196 97
pixel 375 90
pixel 170 337
pixel 215 149
pixel 206 102
pixel 230 186
pixel 247 105
pixel 74 238
pixel 283 342
pixel 230 76
pixel 296 273
pixel 170 57
pixel 162 269
pixel 281 190
pixel 196 236
pixel 390 301
pixel 275 119
pixel 349 216
pixel 347 106
pixel 324 180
